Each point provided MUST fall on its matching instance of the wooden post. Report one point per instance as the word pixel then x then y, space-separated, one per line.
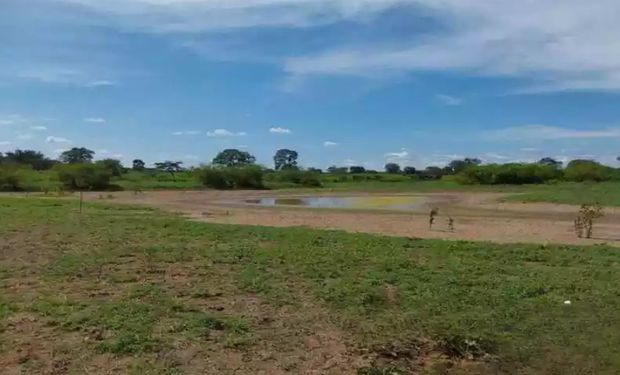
pixel 81 200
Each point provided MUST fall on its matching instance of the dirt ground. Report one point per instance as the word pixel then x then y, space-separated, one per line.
pixel 477 216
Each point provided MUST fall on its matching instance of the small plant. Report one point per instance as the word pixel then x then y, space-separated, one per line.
pixel 451 224
pixel 431 217
pixel 584 223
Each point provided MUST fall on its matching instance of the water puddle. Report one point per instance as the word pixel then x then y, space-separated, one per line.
pixel 368 203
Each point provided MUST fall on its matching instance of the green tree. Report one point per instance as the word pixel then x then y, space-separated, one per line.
pixel 285 159
pixel 171 167
pixel 77 155
pixel 234 158
pixel 337 170
pixel 458 166
pixel 357 169
pixel 138 165
pixel 114 166
pixel 409 170
pixel 392 168
pixel 35 159
pixel 84 176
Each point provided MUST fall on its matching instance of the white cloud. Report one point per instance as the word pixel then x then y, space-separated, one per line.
pixel 567 46
pixel 118 156
pixel 330 144
pixel 96 120
pixel 38 127
pixel 101 83
pixel 186 132
pixel 397 155
pixel 448 100
pixel 242 146
pixel 53 139
pixel 220 133
pixel 4 143
pixel 103 151
pixel 279 130
pixel 546 132
pixel 59 150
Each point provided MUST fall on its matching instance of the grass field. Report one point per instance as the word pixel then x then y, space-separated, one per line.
pixel 144 292
pixel 606 193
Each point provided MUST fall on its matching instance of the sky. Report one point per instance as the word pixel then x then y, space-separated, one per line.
pixel 343 82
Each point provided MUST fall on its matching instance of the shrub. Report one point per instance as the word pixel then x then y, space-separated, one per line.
pixel 587 170
pixel 512 173
pixel 10 179
pixel 84 176
pixel 299 177
pixel 248 177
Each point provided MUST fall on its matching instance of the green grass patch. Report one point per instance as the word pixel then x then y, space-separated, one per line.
pixel 490 302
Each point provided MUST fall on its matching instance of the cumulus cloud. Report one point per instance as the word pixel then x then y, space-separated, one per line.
pixel 53 139
pixel 222 133
pixel 547 132
pixel 330 144
pixel 96 120
pixel 279 130
pixel 38 127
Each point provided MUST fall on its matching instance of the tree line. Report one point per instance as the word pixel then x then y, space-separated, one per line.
pixel 233 168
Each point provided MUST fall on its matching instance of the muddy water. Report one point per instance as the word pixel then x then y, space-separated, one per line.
pixel 404 203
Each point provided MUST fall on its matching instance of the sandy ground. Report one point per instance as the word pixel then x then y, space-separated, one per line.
pixel 477 216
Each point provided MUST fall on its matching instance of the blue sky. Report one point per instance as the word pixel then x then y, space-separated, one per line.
pixel 345 82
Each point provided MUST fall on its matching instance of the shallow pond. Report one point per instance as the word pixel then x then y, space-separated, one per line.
pixel 376 203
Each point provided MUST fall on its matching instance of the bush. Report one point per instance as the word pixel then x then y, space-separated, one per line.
pixel 509 174
pixel 299 177
pixel 249 177
pixel 84 176
pixel 587 170
pixel 10 179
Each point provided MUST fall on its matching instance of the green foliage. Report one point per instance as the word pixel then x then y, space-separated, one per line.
pixel 587 170
pixel 409 170
pixel 84 176
pixel 392 168
pixel 32 158
pixel 506 174
pixel 458 166
pixel 114 166
pixel 233 158
pixel 246 177
pixel 77 155
pixel 285 159
pixel 305 178
pixel 357 169
pixel 10 178
pixel 171 167
pixel 137 165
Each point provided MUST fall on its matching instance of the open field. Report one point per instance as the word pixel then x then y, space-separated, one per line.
pixel 477 216
pixel 121 289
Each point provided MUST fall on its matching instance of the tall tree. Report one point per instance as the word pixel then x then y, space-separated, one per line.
pixel 77 155
pixel 285 159
pixel 392 168
pixel 233 158
pixel 171 167
pixel 138 165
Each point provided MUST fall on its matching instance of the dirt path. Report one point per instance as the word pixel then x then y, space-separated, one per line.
pixel 477 216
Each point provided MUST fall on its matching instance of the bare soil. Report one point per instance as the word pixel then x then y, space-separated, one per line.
pixel 477 216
